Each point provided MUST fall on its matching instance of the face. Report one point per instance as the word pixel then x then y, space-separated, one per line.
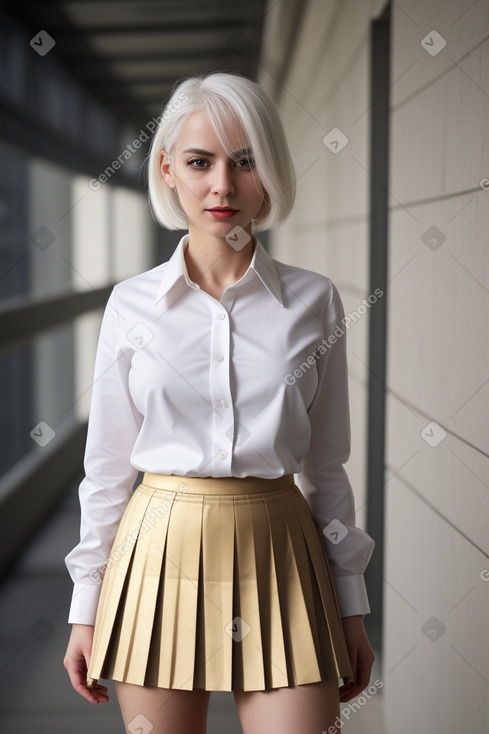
pixel 217 191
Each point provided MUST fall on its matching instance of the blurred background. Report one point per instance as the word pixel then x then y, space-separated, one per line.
pixel 385 106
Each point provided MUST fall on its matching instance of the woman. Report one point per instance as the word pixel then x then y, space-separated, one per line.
pixel 219 375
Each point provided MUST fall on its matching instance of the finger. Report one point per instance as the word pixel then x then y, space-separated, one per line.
pixel 364 671
pixel 351 693
pixel 101 696
pixel 100 690
pixel 97 694
pixel 78 681
pixel 83 691
pixel 345 690
pixel 351 690
pixel 363 677
pixel 96 687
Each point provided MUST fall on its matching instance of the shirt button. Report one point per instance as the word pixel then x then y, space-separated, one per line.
pixel 220 357
pixel 223 403
pixel 223 454
pixel 221 316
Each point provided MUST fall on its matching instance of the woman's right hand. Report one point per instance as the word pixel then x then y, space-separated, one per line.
pixel 77 660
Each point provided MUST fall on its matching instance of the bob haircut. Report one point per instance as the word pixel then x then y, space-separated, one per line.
pixel 232 102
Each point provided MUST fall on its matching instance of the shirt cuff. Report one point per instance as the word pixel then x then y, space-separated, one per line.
pixel 84 603
pixel 352 595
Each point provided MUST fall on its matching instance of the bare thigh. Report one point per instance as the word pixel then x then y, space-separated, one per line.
pixel 147 709
pixel 309 709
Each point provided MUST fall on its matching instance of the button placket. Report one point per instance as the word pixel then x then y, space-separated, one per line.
pixel 220 392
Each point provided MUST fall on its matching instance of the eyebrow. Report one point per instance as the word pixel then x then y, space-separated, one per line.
pixel 201 151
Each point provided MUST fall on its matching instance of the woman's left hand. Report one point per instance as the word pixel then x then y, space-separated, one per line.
pixel 361 657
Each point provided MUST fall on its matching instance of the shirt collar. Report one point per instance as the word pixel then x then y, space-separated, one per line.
pixel 175 276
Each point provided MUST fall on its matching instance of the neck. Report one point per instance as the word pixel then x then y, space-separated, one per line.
pixel 213 261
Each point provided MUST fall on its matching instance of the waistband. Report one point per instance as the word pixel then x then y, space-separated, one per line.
pixel 216 485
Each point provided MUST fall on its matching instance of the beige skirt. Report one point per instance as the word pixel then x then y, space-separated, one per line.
pixel 220 584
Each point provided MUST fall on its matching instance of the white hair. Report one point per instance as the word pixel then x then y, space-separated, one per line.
pixel 240 104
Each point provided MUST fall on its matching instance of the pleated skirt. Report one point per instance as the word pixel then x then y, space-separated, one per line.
pixel 219 584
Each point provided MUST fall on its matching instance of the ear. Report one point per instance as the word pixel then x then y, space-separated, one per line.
pixel 165 169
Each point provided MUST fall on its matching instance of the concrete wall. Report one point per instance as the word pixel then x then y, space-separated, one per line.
pixel 435 666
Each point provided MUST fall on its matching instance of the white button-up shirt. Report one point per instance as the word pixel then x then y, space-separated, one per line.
pixel 252 385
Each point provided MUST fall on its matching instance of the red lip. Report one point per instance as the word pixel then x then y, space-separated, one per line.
pixel 222 209
pixel 222 212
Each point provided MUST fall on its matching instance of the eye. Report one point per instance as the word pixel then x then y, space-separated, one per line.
pixel 245 163
pixel 195 162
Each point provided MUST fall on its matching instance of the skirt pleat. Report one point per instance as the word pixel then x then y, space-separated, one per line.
pixel 179 613
pixel 331 635
pixel 218 589
pixel 113 591
pixel 267 614
pixel 142 579
pixel 217 606
pixel 293 569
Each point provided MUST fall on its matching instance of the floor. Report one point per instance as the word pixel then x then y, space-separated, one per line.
pixel 35 692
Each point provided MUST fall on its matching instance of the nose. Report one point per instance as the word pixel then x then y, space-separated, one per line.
pixel 222 180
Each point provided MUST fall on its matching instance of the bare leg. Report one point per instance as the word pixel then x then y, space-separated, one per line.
pixel 147 709
pixel 308 709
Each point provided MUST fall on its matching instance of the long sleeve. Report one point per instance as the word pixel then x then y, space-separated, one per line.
pixel 113 426
pixel 323 480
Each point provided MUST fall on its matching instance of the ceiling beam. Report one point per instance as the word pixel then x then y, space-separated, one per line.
pixel 132 29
